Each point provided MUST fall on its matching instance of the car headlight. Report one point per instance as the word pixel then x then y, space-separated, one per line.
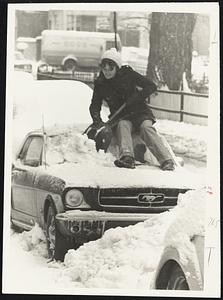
pixel 43 68
pixel 28 68
pixel 74 198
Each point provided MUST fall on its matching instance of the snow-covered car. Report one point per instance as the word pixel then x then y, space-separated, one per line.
pixel 62 183
pixel 172 274
pixel 181 265
pixel 22 64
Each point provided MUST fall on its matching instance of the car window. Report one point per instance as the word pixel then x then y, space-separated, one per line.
pixel 111 44
pixel 33 154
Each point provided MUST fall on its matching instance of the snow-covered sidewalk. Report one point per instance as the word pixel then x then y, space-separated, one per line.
pixel 187 140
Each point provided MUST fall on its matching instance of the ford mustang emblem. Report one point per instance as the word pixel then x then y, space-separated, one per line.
pixel 150 198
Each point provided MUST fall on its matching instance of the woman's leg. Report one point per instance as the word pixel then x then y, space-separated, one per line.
pixel 154 142
pixel 124 136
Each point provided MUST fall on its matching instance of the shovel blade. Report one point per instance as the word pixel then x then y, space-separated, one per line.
pixel 103 138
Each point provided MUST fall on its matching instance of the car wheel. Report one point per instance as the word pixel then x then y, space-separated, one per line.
pixel 177 280
pixel 56 243
pixel 70 65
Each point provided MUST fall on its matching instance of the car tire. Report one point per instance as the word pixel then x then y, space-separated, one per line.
pixel 70 65
pixel 177 280
pixel 57 244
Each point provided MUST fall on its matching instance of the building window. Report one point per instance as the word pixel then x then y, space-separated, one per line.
pixel 86 23
pixel 70 22
pixel 56 25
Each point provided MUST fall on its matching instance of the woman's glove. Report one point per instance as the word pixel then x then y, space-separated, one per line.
pixel 92 130
pixel 98 124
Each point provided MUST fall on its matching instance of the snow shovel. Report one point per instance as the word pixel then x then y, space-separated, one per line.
pixel 103 135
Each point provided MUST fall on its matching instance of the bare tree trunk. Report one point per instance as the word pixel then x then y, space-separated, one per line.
pixel 170 48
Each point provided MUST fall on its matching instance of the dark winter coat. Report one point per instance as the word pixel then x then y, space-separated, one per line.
pixel 127 86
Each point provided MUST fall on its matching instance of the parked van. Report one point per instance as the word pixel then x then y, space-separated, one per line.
pixel 76 49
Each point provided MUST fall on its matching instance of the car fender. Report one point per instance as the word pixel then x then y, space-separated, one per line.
pixel 191 269
pixel 56 202
pixel 49 190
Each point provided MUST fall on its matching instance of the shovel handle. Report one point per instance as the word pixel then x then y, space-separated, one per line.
pixel 117 112
pixel 111 118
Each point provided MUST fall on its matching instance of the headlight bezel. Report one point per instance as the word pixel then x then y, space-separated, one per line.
pixel 77 196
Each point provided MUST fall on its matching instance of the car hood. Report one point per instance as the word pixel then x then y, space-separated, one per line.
pixel 93 175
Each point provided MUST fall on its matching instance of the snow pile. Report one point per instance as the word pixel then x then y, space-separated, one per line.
pixel 49 103
pixel 185 139
pixel 35 241
pixel 26 268
pixel 72 157
pixel 73 146
pixel 189 219
pixel 61 101
pixel 127 257
pixel 122 258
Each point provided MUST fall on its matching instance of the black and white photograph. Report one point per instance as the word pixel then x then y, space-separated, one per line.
pixel 111 182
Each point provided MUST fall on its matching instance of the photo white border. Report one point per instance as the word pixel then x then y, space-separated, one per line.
pixel 212 272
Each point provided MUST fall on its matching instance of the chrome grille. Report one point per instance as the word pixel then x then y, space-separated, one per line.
pixel 138 199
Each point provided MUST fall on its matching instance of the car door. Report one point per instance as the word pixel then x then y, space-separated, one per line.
pixel 23 178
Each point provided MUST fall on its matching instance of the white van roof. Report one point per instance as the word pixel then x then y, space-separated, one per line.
pixel 79 33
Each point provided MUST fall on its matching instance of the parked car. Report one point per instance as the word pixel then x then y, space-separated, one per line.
pixel 172 274
pixel 48 72
pixel 75 202
pixel 181 265
pixel 22 64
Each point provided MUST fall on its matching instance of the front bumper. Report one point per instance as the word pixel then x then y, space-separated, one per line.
pixel 85 226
